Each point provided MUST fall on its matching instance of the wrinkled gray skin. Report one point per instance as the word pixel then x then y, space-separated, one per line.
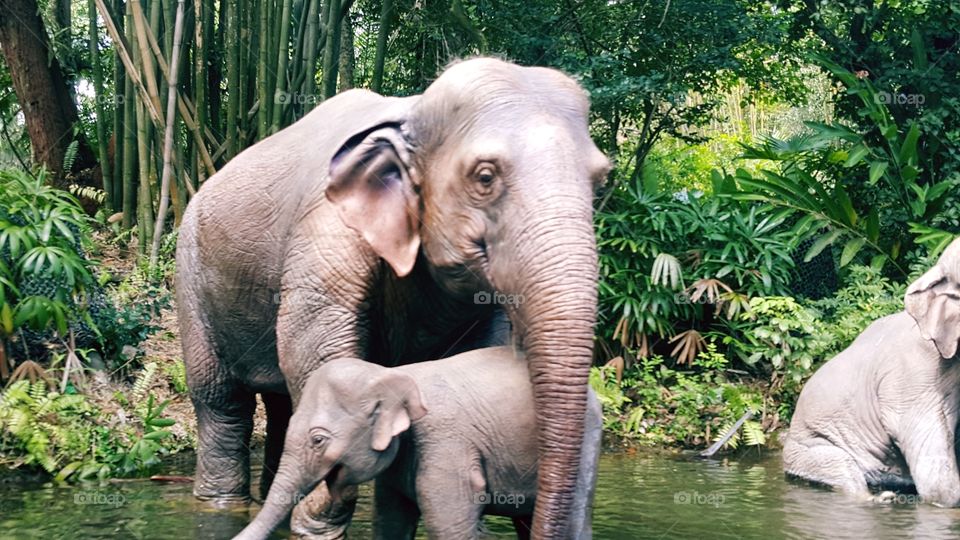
pixel 883 413
pixel 446 440
pixel 365 229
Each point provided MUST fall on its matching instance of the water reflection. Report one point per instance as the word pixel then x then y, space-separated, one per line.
pixel 647 495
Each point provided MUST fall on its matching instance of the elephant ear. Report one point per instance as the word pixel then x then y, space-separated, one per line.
pixel 934 302
pixel 372 185
pixel 400 403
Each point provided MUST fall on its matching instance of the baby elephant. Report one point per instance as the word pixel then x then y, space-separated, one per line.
pixel 883 413
pixel 474 453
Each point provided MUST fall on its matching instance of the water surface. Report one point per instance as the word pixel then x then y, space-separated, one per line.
pixel 642 495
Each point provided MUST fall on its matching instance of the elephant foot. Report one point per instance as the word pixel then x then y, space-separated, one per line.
pixel 884 497
pixel 319 517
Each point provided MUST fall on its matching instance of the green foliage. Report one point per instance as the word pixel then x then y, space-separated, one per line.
pixel 655 404
pixel 48 284
pixel 653 244
pixel 781 334
pixel 42 268
pixel 864 187
pixel 176 372
pixel 609 393
pixel 866 297
pixel 72 439
pixel 143 455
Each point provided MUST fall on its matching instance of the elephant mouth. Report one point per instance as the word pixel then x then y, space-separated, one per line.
pixel 333 479
pixel 480 255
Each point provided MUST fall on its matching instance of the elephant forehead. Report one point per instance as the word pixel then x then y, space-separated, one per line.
pixel 341 378
pixel 950 260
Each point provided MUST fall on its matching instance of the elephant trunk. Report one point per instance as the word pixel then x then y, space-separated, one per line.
pixel 554 323
pixel 285 492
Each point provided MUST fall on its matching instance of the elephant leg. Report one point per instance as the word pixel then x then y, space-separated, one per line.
pixel 395 516
pixel 223 451
pixel 932 460
pixel 523 525
pixel 224 410
pixel 449 510
pixel 826 464
pixel 279 410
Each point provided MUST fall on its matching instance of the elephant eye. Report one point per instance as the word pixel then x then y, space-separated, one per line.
pixel 319 438
pixel 485 174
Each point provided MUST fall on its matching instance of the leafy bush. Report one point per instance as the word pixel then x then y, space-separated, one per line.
pixel 67 436
pixel 49 288
pixel 781 337
pixel 43 271
pixel 654 404
pixel 866 297
pixel 671 265
pixel 869 186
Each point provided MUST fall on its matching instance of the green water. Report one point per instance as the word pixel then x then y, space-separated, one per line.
pixel 646 495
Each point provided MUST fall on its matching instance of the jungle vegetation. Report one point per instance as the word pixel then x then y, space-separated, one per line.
pixel 782 169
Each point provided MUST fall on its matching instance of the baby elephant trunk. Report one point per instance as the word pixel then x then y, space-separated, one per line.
pixel 287 490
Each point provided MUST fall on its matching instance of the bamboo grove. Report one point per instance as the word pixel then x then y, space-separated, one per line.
pixel 193 83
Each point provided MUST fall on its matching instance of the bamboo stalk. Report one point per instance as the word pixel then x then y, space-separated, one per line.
pixel 283 55
pixel 264 76
pixel 168 135
pixel 119 81
pixel 98 105
pixel 233 77
pixel 183 102
pixel 144 142
pixel 330 47
pixel 200 80
pixel 123 51
pixel 130 181
pixel 386 16
pixel 347 56
pixel 145 58
pixel 311 42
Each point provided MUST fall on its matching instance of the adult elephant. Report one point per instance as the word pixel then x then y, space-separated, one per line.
pixel 388 229
pixel 883 413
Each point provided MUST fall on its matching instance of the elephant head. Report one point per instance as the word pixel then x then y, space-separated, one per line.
pixel 490 183
pixel 934 302
pixel 343 431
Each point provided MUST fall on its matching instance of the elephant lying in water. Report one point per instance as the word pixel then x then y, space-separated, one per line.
pixel 883 413
pixel 375 228
pixel 450 439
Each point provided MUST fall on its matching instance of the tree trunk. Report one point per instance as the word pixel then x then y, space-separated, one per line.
pixel 48 109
